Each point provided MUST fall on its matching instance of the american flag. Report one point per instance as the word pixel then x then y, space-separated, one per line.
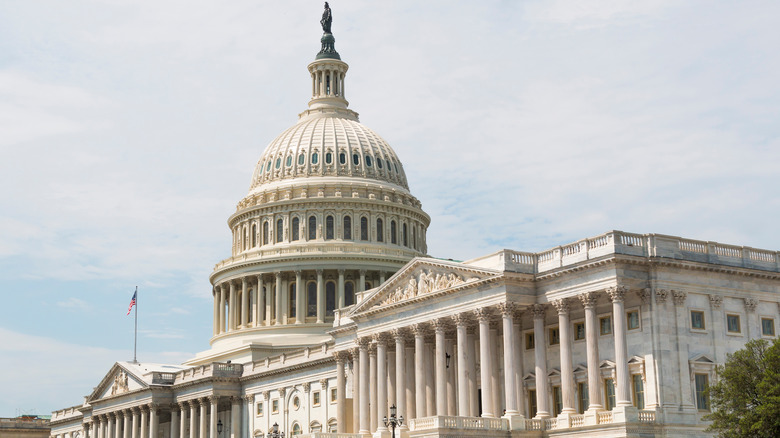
pixel 132 302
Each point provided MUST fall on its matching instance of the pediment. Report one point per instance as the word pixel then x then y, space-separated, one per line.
pixel 117 381
pixel 420 278
pixel 701 358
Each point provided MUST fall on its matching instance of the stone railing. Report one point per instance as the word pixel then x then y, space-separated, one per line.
pixel 462 423
pixel 227 369
pixel 314 248
pixel 532 424
pixel 577 420
pixel 647 416
pixel 604 417
pixel 24 423
pixel 330 435
pixel 644 245
pixel 163 378
pixel 550 423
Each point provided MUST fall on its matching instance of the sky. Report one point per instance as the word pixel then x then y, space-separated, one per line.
pixel 129 130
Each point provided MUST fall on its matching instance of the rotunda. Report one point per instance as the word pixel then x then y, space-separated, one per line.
pixel 328 216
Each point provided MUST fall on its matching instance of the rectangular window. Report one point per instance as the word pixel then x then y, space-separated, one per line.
pixel 702 401
pixel 333 395
pixel 605 325
pixel 579 331
pixel 768 326
pixel 529 341
pixel 609 393
pixel 632 319
pixel 557 401
pixel 275 406
pixel 583 397
pixel 638 388
pixel 697 320
pixel 532 403
pixel 315 397
pixel 260 409
pixel 732 324
pixel 555 336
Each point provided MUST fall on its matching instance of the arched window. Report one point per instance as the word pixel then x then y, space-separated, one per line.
pixel 311 299
pixel 312 227
pixel 279 230
pixel 349 293
pixel 363 228
pixel 315 158
pixel 355 159
pixel 329 158
pixel 253 237
pixel 414 237
pixel 380 231
pixel 347 228
pixel 265 233
pixel 332 426
pixel 329 228
pixel 379 163
pixel 268 166
pixel 296 224
pixel 343 158
pixel 315 427
pixel 330 298
pixel 291 310
pixel 405 237
pixel 368 160
pixel 393 234
pixel 244 239
pixel 289 160
pixel 296 429
pixel 279 162
pixel 301 159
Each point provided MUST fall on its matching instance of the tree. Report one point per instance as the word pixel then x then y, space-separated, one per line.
pixel 746 399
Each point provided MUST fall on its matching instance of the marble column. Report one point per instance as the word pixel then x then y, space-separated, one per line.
pixel 589 300
pixel 495 380
pixel 154 420
pixel 400 377
pixel 174 431
pixel 300 298
pixel 110 425
pixel 441 367
pixel 409 380
pixel 381 375
pixel 341 289
pixel 96 426
pixel 540 358
pixel 471 340
pixel 182 420
pixel 518 366
pixel 244 303
pixel 120 424
pixel 261 315
pixel 320 298
pixel 341 393
pixel 144 422
pixel 355 353
pixel 372 377
pixel 235 415
pixel 269 304
pixel 461 328
pixel 485 361
pixel 617 296
pixel 430 381
pixel 232 307
pixel 391 393
pixel 419 370
pixel 128 426
pixel 221 313
pixel 214 410
pixel 136 422
pixel 193 418
pixel 364 399
pixel 567 366
pixel 278 298
pixel 510 397
pixel 203 427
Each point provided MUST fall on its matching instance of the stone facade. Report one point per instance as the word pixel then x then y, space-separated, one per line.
pixel 328 313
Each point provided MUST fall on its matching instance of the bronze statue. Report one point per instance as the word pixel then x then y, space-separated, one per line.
pixel 327 19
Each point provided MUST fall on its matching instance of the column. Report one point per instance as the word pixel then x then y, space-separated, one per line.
pixel 567 367
pixel 268 303
pixel 510 396
pixel 260 300
pixel 183 419
pixel 518 358
pixel 381 277
pixel 120 424
pixel 193 418
pixel 686 390
pixel 203 427
pixel 110 419
pixel 214 411
pixel 128 427
pixel 463 369
pixel 430 381
pixel 495 380
pixel 232 307
pixel 320 298
pixel 154 420
pixel 381 377
pixel 286 301
pixel 136 422
pixel 452 375
pixel 355 389
pixel 144 422
pixel 244 303
pixel 409 382
pixel 341 393
pixel 592 349
pixel 372 377
pixel 248 425
pixel 341 289
pixel 485 361
pixel 278 297
pixel 174 421
pixel 472 370
pixel 362 286
pixel 622 397
pixel 540 358
pixel 364 414
pixel 441 367
pixel 400 377
pixel 235 412
pixel 221 315
pixel 419 370
pixel 96 426
pixel 300 298
pixel 391 393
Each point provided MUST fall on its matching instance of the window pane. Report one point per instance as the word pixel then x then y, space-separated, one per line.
pixel 342 158
pixel 315 158
pixel 605 325
pixel 697 320
pixel 329 227
pixel 609 389
pixel 380 231
pixel 312 227
pixel 347 228
pixel 363 228
pixel 330 298
pixel 639 391
pixel 579 331
pixel 529 341
pixel 733 323
pixel 702 402
pixel 768 326
pixel 393 234
pixel 632 318
pixel 532 403
pixel 584 397
pixel 311 299
pixel 279 230
pixel 328 158
pixel 295 228
pixel 355 159
pixel 292 308
pixel 557 401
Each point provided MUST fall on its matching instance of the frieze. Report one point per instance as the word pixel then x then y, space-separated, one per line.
pixel 425 283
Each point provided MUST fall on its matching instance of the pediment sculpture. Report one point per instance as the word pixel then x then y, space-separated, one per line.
pixel 120 383
pixel 425 283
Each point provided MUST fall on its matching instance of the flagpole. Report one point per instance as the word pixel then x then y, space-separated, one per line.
pixel 135 337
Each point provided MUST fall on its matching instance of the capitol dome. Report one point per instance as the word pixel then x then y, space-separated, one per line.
pixel 328 217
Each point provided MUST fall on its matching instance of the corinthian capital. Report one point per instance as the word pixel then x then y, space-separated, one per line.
pixel 482 314
pixel 562 306
pixel 589 299
pixel 538 311
pixel 506 308
pixel 678 297
pixel 617 293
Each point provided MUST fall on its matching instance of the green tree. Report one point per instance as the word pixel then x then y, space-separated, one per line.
pixel 746 399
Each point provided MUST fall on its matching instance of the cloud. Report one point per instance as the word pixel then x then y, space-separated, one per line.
pixel 74 303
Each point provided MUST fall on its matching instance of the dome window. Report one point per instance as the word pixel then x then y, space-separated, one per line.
pixel 379 163
pixel 355 159
pixel 312 227
pixel 315 158
pixel 301 159
pixel 347 228
pixel 363 228
pixel 279 162
pixel 393 233
pixel 268 166
pixel 328 158
pixel 330 298
pixel 296 223
pixel 349 293
pixel 368 160
pixel 396 168
pixel 380 231
pixel 343 158
pixel 279 231
pixel 289 160
pixel 329 228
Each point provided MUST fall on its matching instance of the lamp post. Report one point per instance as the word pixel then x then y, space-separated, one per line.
pixel 392 422
pixel 219 427
pixel 275 432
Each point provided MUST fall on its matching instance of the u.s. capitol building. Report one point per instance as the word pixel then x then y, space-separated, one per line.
pixel 328 313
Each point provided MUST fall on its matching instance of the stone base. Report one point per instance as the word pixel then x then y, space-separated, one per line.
pixel 516 421
pixel 625 414
pixel 590 417
pixel 383 433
